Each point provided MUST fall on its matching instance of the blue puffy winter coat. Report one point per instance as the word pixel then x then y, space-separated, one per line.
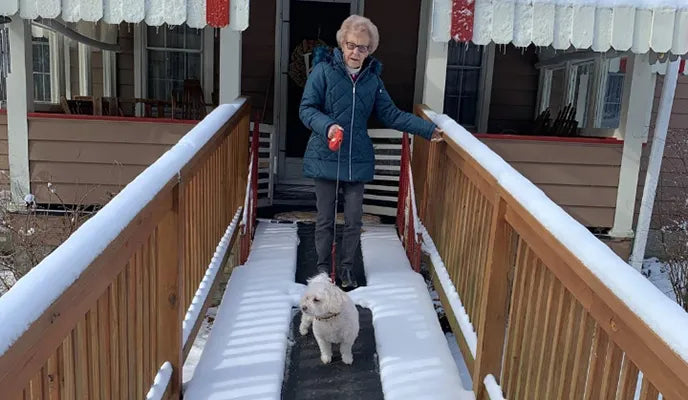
pixel 332 97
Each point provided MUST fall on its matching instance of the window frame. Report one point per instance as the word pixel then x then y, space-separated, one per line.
pixel 596 94
pixel 486 69
pixel 141 63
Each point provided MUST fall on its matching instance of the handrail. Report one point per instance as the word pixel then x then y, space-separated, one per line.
pixel 554 309
pixel 105 309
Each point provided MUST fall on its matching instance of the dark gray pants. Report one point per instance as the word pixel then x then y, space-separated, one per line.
pixel 353 212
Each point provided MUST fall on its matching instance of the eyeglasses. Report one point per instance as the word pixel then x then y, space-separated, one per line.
pixel 361 48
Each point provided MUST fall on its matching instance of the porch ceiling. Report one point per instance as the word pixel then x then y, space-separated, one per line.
pixel 640 26
pixel 195 13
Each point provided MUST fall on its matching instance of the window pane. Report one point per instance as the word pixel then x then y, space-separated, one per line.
pixel 470 81
pixel 611 112
pixel 46 83
pixel 582 92
pixel 175 37
pixel 38 92
pixel 452 84
pixel 451 107
pixel 194 66
pixel 156 36
pixel 194 38
pixel 46 57
pixel 468 110
pixel 556 96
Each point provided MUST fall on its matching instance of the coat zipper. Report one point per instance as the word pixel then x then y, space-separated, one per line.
pixel 351 130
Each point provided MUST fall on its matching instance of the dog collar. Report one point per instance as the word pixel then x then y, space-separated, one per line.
pixel 326 318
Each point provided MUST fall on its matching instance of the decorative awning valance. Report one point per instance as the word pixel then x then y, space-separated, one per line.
pixel 195 13
pixel 636 25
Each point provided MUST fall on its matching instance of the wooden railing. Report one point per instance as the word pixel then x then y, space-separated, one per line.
pixel 557 315
pixel 105 310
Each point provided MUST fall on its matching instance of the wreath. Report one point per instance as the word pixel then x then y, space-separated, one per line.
pixel 298 70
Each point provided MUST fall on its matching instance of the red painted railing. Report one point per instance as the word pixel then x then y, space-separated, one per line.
pixel 407 212
pixel 248 223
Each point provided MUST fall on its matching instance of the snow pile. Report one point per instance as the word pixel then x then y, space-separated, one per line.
pixel 657 272
pixel 196 350
pixel 415 360
pixel 160 383
pixel 207 283
pixel 244 357
pixel 663 316
pixel 34 293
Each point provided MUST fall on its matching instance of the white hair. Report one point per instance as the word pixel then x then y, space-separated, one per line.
pixel 357 23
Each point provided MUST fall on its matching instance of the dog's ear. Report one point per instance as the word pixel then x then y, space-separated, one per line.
pixel 335 299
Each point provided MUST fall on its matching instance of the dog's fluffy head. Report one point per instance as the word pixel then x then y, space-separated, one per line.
pixel 322 298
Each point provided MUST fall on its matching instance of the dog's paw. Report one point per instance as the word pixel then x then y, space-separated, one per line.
pixel 326 359
pixel 303 330
pixel 348 359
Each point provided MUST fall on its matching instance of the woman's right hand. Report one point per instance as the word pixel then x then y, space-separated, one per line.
pixel 333 128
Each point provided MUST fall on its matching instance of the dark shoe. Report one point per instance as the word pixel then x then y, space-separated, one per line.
pixel 348 279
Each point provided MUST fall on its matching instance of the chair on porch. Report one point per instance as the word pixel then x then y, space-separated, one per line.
pixel 192 104
pixel 80 105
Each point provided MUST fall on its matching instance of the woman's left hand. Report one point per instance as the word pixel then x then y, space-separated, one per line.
pixel 437 135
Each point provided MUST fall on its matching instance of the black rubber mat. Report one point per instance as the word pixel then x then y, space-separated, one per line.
pixel 308 378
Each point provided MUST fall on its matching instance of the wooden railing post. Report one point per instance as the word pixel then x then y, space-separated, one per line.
pixel 493 306
pixel 171 310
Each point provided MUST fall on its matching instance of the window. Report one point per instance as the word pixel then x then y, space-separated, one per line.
pixel 174 54
pixel 41 70
pixel 611 113
pixel 461 97
pixel 591 87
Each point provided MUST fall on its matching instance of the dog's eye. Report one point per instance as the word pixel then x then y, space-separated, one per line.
pixel 315 299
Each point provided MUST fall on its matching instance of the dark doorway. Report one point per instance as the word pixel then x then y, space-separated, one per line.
pixel 310 21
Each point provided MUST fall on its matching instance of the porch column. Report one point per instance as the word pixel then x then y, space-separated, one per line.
pixel 19 103
pixel 636 108
pixel 437 45
pixel 230 65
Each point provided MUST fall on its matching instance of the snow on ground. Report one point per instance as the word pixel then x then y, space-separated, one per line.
pixel 665 317
pixel 207 283
pixel 415 359
pixel 656 272
pixel 449 289
pixel 198 345
pixel 41 286
pixel 244 357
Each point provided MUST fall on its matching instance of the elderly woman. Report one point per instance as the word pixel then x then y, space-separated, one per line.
pixel 342 91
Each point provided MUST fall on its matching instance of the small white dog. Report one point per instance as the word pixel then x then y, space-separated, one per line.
pixel 333 315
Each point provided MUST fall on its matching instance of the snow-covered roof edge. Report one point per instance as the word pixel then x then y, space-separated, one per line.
pixel 665 317
pixel 31 296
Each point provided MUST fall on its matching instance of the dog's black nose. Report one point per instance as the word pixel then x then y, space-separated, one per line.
pixel 303 308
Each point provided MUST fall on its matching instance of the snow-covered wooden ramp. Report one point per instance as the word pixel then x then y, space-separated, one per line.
pixel 541 309
pixel 245 356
